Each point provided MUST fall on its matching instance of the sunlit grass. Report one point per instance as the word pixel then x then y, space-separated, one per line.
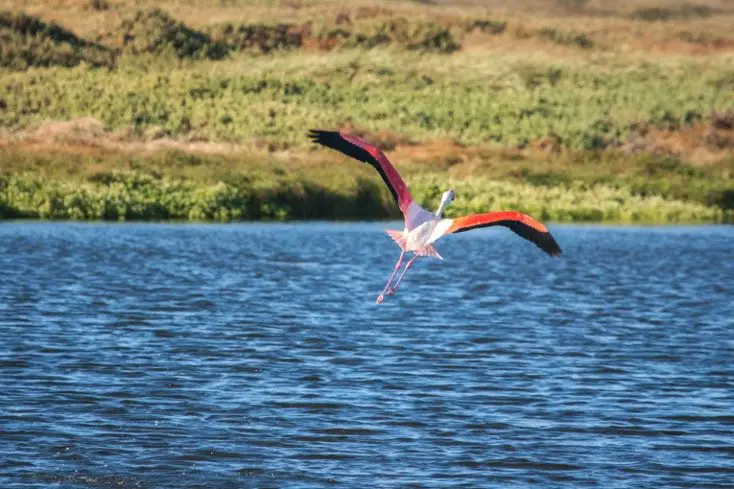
pixel 506 101
pixel 134 196
pixel 182 186
pixel 576 202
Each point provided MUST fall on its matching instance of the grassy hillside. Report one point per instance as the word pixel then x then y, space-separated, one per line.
pixel 568 110
pixel 470 98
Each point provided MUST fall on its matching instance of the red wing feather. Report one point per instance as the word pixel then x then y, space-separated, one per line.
pixel 361 150
pixel 521 224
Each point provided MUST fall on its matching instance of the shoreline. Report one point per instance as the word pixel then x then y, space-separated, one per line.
pixel 72 180
pixel 397 222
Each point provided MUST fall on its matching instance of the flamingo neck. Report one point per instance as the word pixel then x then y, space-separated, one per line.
pixel 441 207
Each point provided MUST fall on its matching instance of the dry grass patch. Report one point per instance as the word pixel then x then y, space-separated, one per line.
pixel 705 142
pixel 692 28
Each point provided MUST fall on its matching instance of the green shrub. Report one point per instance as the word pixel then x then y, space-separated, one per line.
pixel 178 185
pixel 682 12
pixel 566 38
pixel 155 32
pixel 139 196
pixel 574 202
pixel 133 195
pixel 400 32
pixel 99 5
pixel 421 36
pixel 703 38
pixel 28 41
pixel 264 38
pixel 421 97
pixel 488 26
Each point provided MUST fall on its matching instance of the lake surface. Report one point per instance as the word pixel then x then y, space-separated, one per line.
pixel 254 355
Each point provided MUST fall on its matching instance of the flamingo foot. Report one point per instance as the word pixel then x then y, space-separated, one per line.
pixel 391 291
pixel 380 298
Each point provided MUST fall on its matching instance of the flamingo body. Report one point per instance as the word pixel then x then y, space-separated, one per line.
pixel 423 228
pixel 419 240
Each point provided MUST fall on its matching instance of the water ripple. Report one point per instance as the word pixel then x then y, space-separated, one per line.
pixel 254 356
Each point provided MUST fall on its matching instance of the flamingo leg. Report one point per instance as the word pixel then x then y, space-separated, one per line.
pixel 394 288
pixel 381 297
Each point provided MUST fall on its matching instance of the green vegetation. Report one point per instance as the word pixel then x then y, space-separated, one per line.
pixel 178 185
pixel 470 98
pixel 262 38
pixel 569 38
pixel 683 11
pixel 28 41
pixel 155 32
pixel 135 196
pixel 412 35
pixel 623 115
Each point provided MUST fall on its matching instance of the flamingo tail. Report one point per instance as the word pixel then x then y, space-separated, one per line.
pixel 429 250
pixel 398 237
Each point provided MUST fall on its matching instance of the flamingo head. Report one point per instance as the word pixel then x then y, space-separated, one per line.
pixel 448 196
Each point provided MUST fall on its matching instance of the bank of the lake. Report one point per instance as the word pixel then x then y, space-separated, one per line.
pixel 163 185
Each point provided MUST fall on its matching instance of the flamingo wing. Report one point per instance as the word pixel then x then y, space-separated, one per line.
pixel 361 150
pixel 521 224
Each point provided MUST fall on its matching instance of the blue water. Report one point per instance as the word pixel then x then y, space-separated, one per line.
pixel 254 355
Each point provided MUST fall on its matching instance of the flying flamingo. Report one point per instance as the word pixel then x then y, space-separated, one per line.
pixel 422 227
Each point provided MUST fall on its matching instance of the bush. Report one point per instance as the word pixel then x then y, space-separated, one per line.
pixel 399 32
pixel 28 41
pixel 264 38
pixel 421 36
pixel 155 32
pixel 487 26
pixel 178 185
pixel 682 12
pixel 566 38
pixel 138 196
pixel 135 195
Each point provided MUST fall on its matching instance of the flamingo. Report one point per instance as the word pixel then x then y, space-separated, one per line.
pixel 422 227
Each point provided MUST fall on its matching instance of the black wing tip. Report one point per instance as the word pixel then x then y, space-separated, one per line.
pixel 550 246
pixel 336 141
pixel 319 135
